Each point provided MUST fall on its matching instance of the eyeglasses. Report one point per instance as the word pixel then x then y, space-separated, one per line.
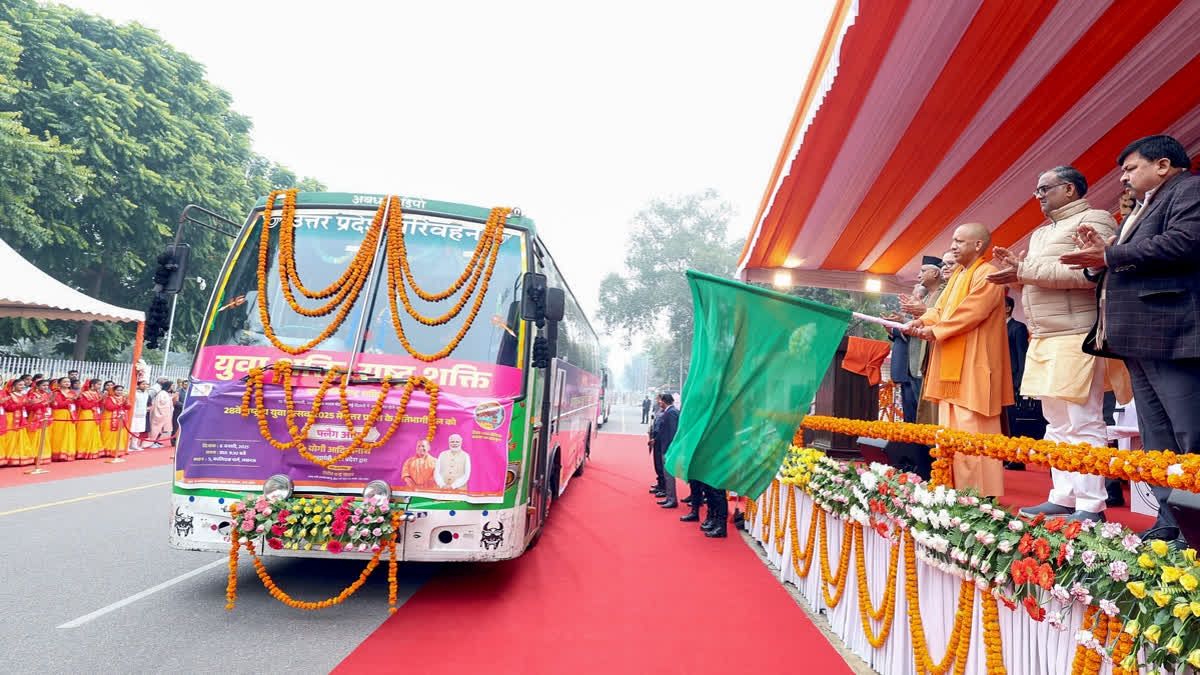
pixel 1043 189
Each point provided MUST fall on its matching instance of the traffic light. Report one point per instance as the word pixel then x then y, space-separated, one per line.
pixel 158 318
pixel 172 267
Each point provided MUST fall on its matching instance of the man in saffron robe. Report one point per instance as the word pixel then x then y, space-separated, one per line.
pixel 418 469
pixel 969 375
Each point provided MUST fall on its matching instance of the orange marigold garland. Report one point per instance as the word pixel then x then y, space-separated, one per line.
pixel 392 563
pixel 806 556
pixel 1146 466
pixel 399 275
pixel 283 372
pixel 991 635
pixel 887 608
pixel 962 619
pixel 234 539
pixel 828 579
pixel 782 523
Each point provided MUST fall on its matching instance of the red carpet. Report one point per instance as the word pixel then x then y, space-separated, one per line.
pixel 616 585
pixel 11 476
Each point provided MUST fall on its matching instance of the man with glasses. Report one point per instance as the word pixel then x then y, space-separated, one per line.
pixel 1060 307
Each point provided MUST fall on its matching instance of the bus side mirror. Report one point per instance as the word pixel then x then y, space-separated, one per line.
pixel 533 297
pixel 556 304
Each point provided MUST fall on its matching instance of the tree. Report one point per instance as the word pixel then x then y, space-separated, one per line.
pixel 136 134
pixel 651 297
pixel 871 304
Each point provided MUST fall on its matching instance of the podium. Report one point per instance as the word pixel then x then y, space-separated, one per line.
pixel 842 394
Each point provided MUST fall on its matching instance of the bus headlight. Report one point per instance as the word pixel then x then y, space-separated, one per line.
pixel 377 492
pixel 277 487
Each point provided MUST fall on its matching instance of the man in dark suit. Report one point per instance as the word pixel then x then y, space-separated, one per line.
pixel 1149 299
pixel 646 410
pixel 660 481
pixel 1018 347
pixel 667 426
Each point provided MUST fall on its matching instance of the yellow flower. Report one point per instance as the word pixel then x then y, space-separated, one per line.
pixel 1159 547
pixel 1129 662
pixel 308 547
pixel 313 533
pixel 287 532
pixel 1171 574
pixel 1189 582
pixel 1195 609
pixel 302 501
pixel 1153 633
pixel 327 530
pixel 1138 588
pixel 1133 627
pixel 319 509
pixel 1189 554
pixel 1144 560
pixel 309 510
pixel 1174 645
pixel 328 518
pixel 1181 611
pixel 1193 658
pixel 1161 599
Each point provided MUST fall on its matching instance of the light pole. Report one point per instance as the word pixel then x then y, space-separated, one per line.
pixel 171 323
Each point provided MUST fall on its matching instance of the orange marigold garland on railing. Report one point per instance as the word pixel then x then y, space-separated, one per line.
pixel 782 523
pixel 806 556
pixel 991 635
pixel 887 608
pixel 828 579
pixel 962 619
pixel 1145 466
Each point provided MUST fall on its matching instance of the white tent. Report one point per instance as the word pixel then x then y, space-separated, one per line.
pixel 26 291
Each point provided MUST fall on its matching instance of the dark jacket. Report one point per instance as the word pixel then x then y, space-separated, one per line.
pixel 899 372
pixel 645 406
pixel 668 425
pixel 1152 283
pixel 1018 346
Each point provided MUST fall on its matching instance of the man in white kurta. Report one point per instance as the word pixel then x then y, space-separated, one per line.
pixel 1059 305
pixel 453 466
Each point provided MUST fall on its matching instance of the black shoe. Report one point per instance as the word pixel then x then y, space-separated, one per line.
pixel 690 517
pixel 1157 531
pixel 1014 466
pixel 708 524
pixel 716 533
pixel 689 500
pixel 1119 501
pixel 669 504
pixel 655 488
pixel 660 494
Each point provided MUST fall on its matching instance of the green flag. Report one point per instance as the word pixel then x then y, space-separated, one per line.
pixel 757 359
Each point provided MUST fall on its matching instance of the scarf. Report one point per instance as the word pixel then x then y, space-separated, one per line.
pixel 954 349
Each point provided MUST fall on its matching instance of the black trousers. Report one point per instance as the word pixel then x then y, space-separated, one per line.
pixel 698 493
pixel 659 472
pixel 646 416
pixel 910 392
pixel 1168 396
pixel 718 505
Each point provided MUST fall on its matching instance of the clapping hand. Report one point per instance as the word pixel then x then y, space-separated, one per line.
pixel 1091 247
pixel 1008 262
pixel 912 306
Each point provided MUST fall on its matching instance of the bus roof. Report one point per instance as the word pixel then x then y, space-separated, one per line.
pixel 372 201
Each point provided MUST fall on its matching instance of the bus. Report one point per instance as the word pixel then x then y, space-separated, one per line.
pixel 316 393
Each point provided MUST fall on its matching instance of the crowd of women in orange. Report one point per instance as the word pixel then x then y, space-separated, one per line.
pixel 62 419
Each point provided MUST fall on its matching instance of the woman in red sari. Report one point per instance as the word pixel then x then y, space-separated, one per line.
pixel 87 429
pixel 114 437
pixel 37 419
pixel 61 435
pixel 17 451
pixel 4 423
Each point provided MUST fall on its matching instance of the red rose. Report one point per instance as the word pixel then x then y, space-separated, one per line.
pixel 1073 529
pixel 338 528
pixel 275 543
pixel 1041 548
pixel 284 514
pixel 334 546
pixel 278 530
pixel 1036 611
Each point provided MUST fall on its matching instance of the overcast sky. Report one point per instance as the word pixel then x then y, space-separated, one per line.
pixel 577 113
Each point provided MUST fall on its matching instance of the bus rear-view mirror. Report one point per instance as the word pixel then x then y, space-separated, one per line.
pixel 533 297
pixel 556 303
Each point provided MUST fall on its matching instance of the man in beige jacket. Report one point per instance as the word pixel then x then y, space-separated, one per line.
pixel 1060 308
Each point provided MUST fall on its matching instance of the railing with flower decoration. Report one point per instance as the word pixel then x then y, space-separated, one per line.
pixel 1131 603
pixel 1156 467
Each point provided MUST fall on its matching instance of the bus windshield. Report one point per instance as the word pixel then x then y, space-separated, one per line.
pixel 438 249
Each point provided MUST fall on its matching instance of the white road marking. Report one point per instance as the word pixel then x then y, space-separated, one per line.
pixel 75 623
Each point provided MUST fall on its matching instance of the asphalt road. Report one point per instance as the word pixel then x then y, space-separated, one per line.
pixel 624 420
pixel 90 586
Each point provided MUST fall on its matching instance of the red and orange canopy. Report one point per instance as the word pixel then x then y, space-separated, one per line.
pixel 919 115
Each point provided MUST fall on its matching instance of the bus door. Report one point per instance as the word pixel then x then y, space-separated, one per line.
pixel 556 414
